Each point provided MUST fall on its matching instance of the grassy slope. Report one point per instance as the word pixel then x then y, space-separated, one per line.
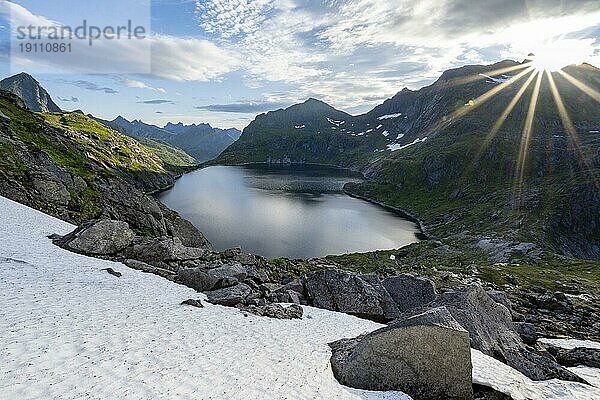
pixel 106 145
pixel 170 155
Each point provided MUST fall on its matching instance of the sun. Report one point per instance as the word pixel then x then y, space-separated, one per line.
pixel 554 56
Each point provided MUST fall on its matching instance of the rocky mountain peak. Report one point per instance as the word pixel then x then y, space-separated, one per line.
pixel 35 97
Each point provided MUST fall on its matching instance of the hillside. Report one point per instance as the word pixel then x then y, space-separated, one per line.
pixel 76 169
pixel 441 153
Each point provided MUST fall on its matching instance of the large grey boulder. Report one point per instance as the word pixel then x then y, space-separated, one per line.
pixel 410 291
pixel 492 332
pixel 426 356
pixel 230 296
pixel 162 249
pixel 221 277
pixel 345 292
pixel 98 237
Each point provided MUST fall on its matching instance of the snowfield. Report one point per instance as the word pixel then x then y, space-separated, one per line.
pixel 69 330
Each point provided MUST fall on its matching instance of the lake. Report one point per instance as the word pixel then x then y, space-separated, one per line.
pixel 285 211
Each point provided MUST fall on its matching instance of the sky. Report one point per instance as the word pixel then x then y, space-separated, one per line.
pixel 225 61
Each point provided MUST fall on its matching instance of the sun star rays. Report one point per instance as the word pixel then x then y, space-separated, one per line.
pixel 535 75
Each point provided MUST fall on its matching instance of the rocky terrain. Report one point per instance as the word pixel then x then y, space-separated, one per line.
pixel 418 311
pixel 75 169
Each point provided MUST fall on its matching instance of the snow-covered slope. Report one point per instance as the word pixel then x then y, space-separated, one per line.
pixel 69 330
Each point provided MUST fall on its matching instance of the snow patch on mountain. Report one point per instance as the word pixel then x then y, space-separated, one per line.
pixel 389 116
pixel 398 146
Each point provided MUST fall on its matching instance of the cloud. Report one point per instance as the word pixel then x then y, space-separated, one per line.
pixel 141 85
pixel 71 100
pixel 353 51
pixel 251 107
pixel 158 101
pixel 87 85
pixel 164 56
pixel 184 59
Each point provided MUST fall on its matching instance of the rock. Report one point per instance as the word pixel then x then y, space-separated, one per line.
pixel 98 237
pixel 527 332
pixel 196 278
pixel 204 279
pixel 142 266
pixel 426 356
pixel 410 291
pixel 236 271
pixel 230 296
pixel 557 301
pixel 113 272
pixel 193 303
pixel 500 298
pixel 257 275
pixel 577 356
pixel 276 311
pixel 345 292
pixel 492 332
pixel 165 248
pixel 487 393
pixel 50 188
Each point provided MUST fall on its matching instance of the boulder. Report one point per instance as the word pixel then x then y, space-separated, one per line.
pixel 230 296
pixel 345 292
pixel 527 332
pixel 161 249
pixel 426 356
pixel 203 279
pixel 276 311
pixel 410 291
pixel 98 237
pixel 235 270
pixel 491 329
pixel 142 266
pixel 577 356
pixel 193 303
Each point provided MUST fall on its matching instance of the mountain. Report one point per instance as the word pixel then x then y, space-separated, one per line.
pixel 74 168
pixel 452 155
pixel 201 141
pixel 311 132
pixel 30 91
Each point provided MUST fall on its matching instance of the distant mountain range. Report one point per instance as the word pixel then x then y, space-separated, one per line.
pixel 181 145
pixel 453 154
pixel 201 141
pixel 30 91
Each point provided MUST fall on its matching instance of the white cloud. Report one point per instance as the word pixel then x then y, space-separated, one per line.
pixel 141 85
pixel 170 57
pixel 187 59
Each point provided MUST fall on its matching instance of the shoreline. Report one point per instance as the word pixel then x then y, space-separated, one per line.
pixel 402 212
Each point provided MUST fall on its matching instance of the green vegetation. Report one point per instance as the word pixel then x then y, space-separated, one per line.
pixel 105 144
pixel 9 162
pixel 170 155
pixel 86 205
